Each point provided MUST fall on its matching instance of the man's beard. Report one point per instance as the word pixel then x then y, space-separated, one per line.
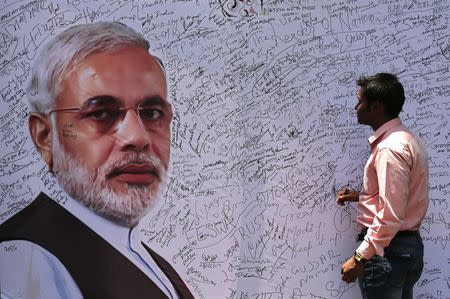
pixel 92 188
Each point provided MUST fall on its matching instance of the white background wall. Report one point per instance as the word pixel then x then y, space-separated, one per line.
pixel 264 131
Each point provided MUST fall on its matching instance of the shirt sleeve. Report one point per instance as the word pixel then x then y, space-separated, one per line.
pixel 30 271
pixel 393 175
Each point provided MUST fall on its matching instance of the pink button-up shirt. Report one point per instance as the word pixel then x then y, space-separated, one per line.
pixel 394 195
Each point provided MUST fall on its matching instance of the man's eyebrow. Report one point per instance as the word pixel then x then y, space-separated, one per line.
pixel 102 99
pixel 108 99
pixel 156 100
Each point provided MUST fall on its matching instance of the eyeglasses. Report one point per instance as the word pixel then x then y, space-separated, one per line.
pixel 100 114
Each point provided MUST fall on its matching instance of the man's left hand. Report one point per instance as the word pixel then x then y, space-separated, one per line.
pixel 351 270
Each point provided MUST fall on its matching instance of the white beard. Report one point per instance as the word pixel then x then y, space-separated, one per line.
pixel 92 189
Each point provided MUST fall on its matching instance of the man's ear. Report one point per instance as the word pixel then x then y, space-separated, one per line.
pixel 41 133
pixel 377 107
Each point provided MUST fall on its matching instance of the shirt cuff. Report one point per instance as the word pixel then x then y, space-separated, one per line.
pixel 366 250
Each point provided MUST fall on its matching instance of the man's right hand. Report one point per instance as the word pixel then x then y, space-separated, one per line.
pixel 347 195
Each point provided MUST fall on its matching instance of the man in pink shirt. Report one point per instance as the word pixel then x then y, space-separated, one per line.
pixel 394 196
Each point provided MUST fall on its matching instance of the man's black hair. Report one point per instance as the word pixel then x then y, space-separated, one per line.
pixel 386 89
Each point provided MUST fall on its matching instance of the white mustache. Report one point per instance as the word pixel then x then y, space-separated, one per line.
pixel 148 159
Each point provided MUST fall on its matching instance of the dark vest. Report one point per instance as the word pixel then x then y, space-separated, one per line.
pixel 99 270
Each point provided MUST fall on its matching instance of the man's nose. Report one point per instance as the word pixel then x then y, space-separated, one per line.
pixel 131 133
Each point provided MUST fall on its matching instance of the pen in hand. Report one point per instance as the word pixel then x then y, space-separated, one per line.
pixel 347 194
pixel 341 195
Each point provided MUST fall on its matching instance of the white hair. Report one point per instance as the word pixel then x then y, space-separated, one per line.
pixel 64 53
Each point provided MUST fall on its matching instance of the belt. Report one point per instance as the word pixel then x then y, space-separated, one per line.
pixel 402 233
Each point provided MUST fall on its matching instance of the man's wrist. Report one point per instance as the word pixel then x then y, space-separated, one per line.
pixel 359 258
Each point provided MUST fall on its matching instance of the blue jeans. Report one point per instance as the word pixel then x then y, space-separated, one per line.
pixel 393 276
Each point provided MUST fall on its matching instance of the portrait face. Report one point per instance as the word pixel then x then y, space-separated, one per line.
pixel 110 133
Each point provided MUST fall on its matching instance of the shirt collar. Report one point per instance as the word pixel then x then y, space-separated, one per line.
pixel 383 129
pixel 111 231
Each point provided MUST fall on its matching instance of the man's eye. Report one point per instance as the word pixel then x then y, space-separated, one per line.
pixel 150 114
pixel 101 114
